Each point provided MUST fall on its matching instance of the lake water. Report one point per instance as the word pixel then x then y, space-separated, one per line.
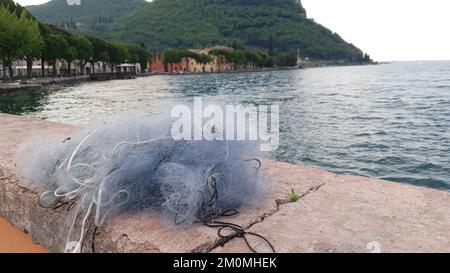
pixel 388 121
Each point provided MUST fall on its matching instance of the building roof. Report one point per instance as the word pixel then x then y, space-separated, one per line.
pixel 220 47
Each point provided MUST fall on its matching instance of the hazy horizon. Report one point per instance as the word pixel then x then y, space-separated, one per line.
pixel 418 34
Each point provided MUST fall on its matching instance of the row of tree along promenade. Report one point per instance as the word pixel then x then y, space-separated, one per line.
pixel 30 49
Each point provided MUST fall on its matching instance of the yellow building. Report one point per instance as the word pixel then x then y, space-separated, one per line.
pixel 196 67
pixel 218 64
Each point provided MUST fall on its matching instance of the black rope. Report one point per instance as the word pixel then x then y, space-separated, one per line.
pixel 93 239
pixel 60 205
pixel 70 205
pixel 238 232
pixel 213 212
pixel 84 239
pixel 257 161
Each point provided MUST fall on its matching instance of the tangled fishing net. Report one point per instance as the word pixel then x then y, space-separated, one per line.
pixel 131 164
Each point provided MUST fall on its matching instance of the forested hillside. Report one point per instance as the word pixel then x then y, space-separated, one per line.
pixel 91 15
pixel 272 25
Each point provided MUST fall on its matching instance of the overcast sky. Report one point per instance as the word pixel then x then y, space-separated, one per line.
pixel 386 29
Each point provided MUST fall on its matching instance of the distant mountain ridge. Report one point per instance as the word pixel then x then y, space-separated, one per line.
pixel 273 25
pixel 91 14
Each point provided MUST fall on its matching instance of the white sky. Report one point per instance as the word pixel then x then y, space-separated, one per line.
pixel 386 29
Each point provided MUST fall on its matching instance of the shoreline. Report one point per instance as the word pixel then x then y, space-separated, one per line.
pixel 305 66
pixel 221 72
pixel 39 83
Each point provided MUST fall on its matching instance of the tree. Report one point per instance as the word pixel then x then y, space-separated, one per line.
pixel 269 62
pixel 253 58
pixel 286 59
pixel 171 55
pixel 19 37
pixel 55 48
pixel 203 58
pixel 271 49
pixel 34 43
pixel 263 59
pixel 70 55
pixel 99 52
pixel 117 54
pixel 138 55
pixel 84 50
pixel 34 54
pixel 238 58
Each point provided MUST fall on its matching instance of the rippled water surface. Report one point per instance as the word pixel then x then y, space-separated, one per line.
pixel 387 121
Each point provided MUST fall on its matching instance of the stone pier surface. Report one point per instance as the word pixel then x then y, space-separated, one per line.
pixel 334 213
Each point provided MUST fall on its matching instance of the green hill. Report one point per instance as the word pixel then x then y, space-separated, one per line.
pixel 280 25
pixel 90 15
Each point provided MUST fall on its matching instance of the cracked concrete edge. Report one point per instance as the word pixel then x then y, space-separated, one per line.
pixel 279 203
pixel 283 177
pixel 357 214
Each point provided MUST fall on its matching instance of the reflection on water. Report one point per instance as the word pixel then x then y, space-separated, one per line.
pixel 387 121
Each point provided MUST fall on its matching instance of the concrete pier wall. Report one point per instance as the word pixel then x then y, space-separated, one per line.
pixel 334 213
pixel 12 240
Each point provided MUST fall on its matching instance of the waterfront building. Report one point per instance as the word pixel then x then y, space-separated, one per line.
pixel 155 64
pixel 19 69
pixel 196 67
pixel 219 63
pixel 128 68
pixel 180 67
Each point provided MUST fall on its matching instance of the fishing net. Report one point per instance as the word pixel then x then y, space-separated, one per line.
pixel 131 164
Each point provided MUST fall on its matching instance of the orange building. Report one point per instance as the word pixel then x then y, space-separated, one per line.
pixel 182 66
pixel 155 64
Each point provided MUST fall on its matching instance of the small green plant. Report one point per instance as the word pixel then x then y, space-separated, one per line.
pixel 293 196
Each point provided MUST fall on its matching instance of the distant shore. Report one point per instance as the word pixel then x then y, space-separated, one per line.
pixel 220 72
pixel 305 65
pixel 38 83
